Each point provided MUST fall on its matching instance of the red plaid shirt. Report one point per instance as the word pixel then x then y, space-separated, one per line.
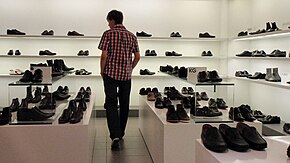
pixel 120 44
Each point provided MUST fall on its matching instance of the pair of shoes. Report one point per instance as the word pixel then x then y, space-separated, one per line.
pixel 209 76
pixel 167 68
pixel 182 72
pixel 146 72
pixel 178 115
pixel 73 113
pixel 238 139
pixel 82 72
pixel 242 74
pixel 205 112
pixel 241 113
pixel 257 53
pixel 150 53
pixel 245 54
pixel 208 53
pixel 83 53
pixel 33 114
pixel 188 90
pixel 16 72
pixel 47 33
pixel 17 52
pixel 84 94
pixel 61 93
pixel 219 103
pixel 243 33
pixel 74 33
pixel 144 91
pixel 14 32
pixel 173 53
pixel 5 116
pixel 48 102
pixel 143 34
pixel 257 75
pixel 173 94
pixel 162 103
pixel 29 77
pixel 277 53
pixel 272 28
pixel 272 77
pixel 177 34
pixel 205 35
pixel 37 95
pixel 46 52
pixel 269 119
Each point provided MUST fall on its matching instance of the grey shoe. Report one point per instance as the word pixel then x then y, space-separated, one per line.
pixel 269 75
pixel 276 75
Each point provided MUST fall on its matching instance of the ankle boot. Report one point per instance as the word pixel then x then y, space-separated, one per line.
pixel 29 96
pixel 14 105
pixel 27 76
pixel 268 26
pixel 37 77
pixel 45 90
pixel 37 95
pixel 276 75
pixel 274 26
pixel 48 102
pixel 268 76
pixel 64 67
pixel 24 104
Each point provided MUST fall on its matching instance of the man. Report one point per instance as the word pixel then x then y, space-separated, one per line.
pixel 117 45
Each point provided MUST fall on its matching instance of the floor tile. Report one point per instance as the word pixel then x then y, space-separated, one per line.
pixel 128 152
pixel 130 159
pixel 99 160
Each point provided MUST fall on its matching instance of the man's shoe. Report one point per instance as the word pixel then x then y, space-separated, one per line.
pixel 258 114
pixel 276 76
pixel 190 91
pixel 14 32
pixel 247 113
pixel 171 115
pixel 243 33
pixel 177 34
pixel 286 128
pixel 269 119
pixel 245 54
pixel 143 34
pixel 184 90
pixel 5 116
pixel 74 33
pixel 205 35
pixel 10 52
pixel 27 76
pixel 181 113
pixel 151 96
pixel 59 96
pixel 46 52
pixel 175 53
pixel 115 144
pixel 235 114
pixel 257 53
pixel 37 96
pixel 143 92
pixel 77 115
pixel 233 138
pixel 213 76
pixel 146 72
pixel 37 76
pixel 277 53
pixel 17 52
pixel 208 53
pixel 203 76
pixel 14 106
pixel 257 75
pixel 212 139
pixel 221 104
pixel 212 104
pixel 166 102
pixel 252 137
pixel 33 114
pixel 186 102
pixel 205 112
pixel 48 102
pixel 159 103
pixel 47 33
pixel 269 75
pixel 204 96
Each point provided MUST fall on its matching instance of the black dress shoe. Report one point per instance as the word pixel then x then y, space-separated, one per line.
pixel 208 53
pixel 190 91
pixel 258 32
pixel 212 139
pixel 286 128
pixel 46 52
pixel 258 114
pixel 247 113
pixel 204 96
pixel 143 34
pixel 74 33
pixel 65 117
pixel 14 32
pixel 242 74
pixel 205 112
pixel 182 72
pixel 181 113
pixel 203 76
pixel 235 114
pixel 257 53
pixel 212 104
pixel 186 102
pixel 14 106
pixel 33 114
pixel 146 72
pixel 37 96
pixel 48 102
pixel 257 75
pixel 5 116
pixel 243 33
pixel 142 92
pixel 233 138
pixel 175 53
pixel 213 76
pixel 17 52
pixel 269 119
pixel 174 94
pixel 252 137
pixel 159 103
pixel 10 52
pixel 167 68
pixel 277 53
pixel 184 90
pixel 59 96
pixel 205 35
pixel 77 115
pixel 221 104
pixel 245 54
pixel 37 76
pixel 47 33
pixel 177 34
pixel 27 76
pixel 153 53
pixel 171 115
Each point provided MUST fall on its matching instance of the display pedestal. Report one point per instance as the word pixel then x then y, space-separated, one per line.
pixel 171 142
pixel 276 152
pixel 57 143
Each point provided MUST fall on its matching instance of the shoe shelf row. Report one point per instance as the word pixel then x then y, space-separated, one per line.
pixel 267 35
pixel 264 82
pixel 262 58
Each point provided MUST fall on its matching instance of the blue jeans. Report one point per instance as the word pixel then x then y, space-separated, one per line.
pixel 114 90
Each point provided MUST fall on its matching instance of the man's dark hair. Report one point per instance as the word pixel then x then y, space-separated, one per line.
pixel 115 15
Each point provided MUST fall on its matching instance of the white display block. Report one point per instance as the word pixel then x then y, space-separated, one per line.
pixel 274 153
pixel 57 143
pixel 171 142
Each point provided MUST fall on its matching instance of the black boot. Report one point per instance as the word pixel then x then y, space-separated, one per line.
pixel 33 114
pixel 29 96
pixel 5 116
pixel 37 77
pixel 27 76
pixel 64 67
pixel 14 105
pixel 45 90
pixel 268 27
pixel 37 95
pixel 67 113
pixel 77 115
pixel 83 105
pixel 48 102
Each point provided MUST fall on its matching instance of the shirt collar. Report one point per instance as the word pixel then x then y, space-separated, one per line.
pixel 119 26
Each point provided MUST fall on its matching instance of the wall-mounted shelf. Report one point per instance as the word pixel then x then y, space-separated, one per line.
pixel 47 37
pixel 262 58
pixel 48 56
pixel 181 39
pixel 267 35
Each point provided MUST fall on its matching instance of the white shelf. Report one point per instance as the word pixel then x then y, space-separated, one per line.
pixel 48 56
pixel 175 57
pixel 267 35
pixel 262 58
pixel 158 75
pixel 47 37
pixel 262 81
pixel 180 39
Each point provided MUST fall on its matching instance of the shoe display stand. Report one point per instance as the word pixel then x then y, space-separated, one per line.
pixel 275 152
pixel 274 129
pixel 55 142
pixel 172 142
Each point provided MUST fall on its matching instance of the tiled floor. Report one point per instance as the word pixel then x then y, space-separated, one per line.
pixel 133 148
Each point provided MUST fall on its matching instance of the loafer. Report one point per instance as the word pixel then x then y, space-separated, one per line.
pixel 205 35
pixel 233 138
pixel 212 139
pixel 252 136
pixel 74 33
pixel 143 34
pixel 146 72
pixel 245 54
pixel 14 32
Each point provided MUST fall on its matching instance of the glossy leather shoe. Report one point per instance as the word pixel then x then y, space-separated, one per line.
pixel 48 102
pixel 46 52
pixel 258 114
pixel 190 90
pixel 14 32
pixel 27 76
pixel 252 137
pixel 74 33
pixel 10 52
pixel 143 92
pixel 235 114
pixel 146 72
pixel 177 34
pixel 269 119
pixel 247 113
pixel 171 115
pixel 33 114
pixel 243 33
pixel 37 76
pixel 221 104
pixel 17 52
pixel 77 116
pixel 233 138
pixel 205 112
pixel 181 113
pixel 62 65
pixel 213 76
pixel 258 53
pixel 83 105
pixel 65 116
pixel 245 54
pixel 205 35
pixel 59 96
pixel 159 103
pixel 212 139
pixel 257 75
pixel 143 34
pixel 204 96
pixel 286 128
pixel 203 77
pixel 277 53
